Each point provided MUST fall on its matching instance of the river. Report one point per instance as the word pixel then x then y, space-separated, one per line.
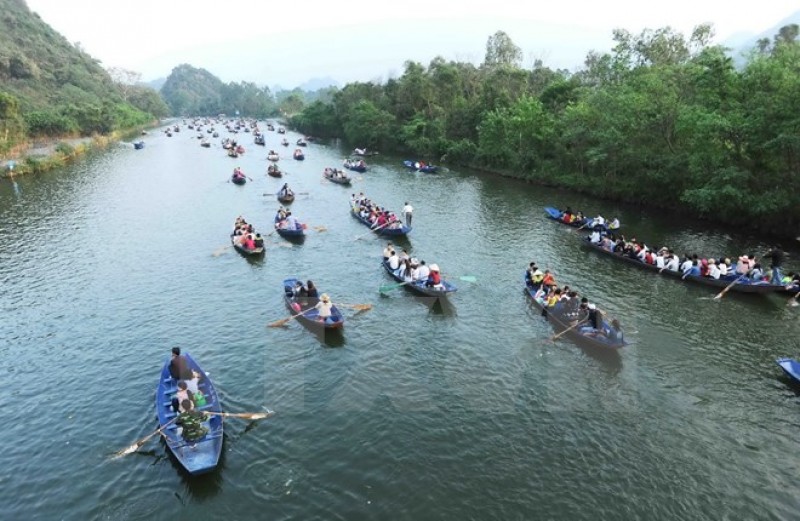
pixel 462 411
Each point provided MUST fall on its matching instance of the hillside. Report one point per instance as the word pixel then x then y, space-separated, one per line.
pixel 51 87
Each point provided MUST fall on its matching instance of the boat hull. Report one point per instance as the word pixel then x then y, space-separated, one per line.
pixel 387 232
pixel 419 287
pixel 311 318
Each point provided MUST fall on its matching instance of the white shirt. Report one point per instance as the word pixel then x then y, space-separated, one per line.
pixel 407 209
pixel 659 261
pixel 723 269
pixel 672 264
pixel 324 308
pixel 423 272
pixel 394 262
pixel 713 271
pixel 599 220
pixel 687 265
pixel 414 273
pixel 595 237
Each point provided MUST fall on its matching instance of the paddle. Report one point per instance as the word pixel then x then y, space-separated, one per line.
pixel 358 307
pixel 728 287
pixel 570 328
pixel 220 251
pixel 389 287
pixel 282 322
pixel 372 230
pixel 130 449
pixel 793 300
pixel 243 415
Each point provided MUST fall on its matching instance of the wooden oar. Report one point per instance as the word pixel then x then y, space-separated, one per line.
pixel 793 300
pixel 570 328
pixel 243 415
pixel 728 287
pixel 372 230
pixel 358 307
pixel 282 322
pixel 135 446
pixel 221 250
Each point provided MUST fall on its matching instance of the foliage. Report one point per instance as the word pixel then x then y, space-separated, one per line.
pixel 662 120
pixel 57 88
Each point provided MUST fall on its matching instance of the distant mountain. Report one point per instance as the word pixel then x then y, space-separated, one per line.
pixel 156 84
pixel 315 84
pixel 742 43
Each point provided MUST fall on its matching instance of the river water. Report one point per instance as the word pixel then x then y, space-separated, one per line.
pixel 461 411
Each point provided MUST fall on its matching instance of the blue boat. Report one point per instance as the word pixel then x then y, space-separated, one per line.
pixel 357 165
pixel 203 455
pixel 581 335
pixel 296 234
pixel 418 286
pixel 138 145
pixel 310 319
pixel 791 367
pixel 555 214
pixel 420 167
pixel 389 232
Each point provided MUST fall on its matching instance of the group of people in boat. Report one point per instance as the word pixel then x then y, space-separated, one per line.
pixel 570 217
pixel 286 221
pixel 306 297
pixel 188 398
pixel 745 268
pixel 355 163
pixel 411 269
pixel 237 173
pixel 377 216
pixel 335 173
pixel 245 235
pixel 568 307
pixel 273 156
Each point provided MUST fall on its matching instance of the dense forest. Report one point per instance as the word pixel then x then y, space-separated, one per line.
pixel 49 87
pixel 661 120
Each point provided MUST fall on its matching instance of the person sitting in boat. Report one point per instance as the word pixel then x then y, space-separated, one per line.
pixel 693 270
pixel 614 224
pixel 313 294
pixel 394 260
pixel 548 280
pixel 423 271
pixel 529 273
pixel 757 273
pixel 595 237
pixel 360 151
pixel 713 269
pixel 178 366
pixel 387 251
pixel 324 307
pixel 290 223
pixel 191 422
pixel 553 298
pixel 405 271
pixel 704 268
pixel 594 319
pixel 259 241
pixel 744 264
pixel 183 393
pixel 250 242
pixel 285 191
pixel 434 278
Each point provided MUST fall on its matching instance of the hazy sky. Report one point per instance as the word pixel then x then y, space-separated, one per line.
pixel 273 42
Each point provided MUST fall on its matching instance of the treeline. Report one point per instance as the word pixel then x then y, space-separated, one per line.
pixel 662 119
pixel 49 87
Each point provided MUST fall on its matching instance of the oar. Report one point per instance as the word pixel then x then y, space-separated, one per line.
pixel 372 230
pixel 220 251
pixel 358 307
pixel 570 328
pixel 728 287
pixel 243 415
pixel 135 446
pixel 389 287
pixel 793 300
pixel 282 322
pixel 320 228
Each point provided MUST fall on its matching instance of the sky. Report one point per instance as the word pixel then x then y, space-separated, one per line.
pixel 287 43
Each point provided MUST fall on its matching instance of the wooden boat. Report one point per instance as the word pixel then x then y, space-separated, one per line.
pixel 299 155
pixel 389 232
pixel 232 153
pixel 420 167
pixel 203 455
pixel 286 233
pixel 554 214
pixel 581 335
pixel 285 199
pixel 270 127
pixel 301 142
pixel 138 145
pixel 281 130
pixel 355 165
pixel 418 286
pixel 259 140
pixel 311 318
pixel 205 144
pixel 238 179
pixel 274 171
pixel 744 286
pixel 339 180
pixel 285 143
pixel 273 156
pixel 244 251
pixel 791 367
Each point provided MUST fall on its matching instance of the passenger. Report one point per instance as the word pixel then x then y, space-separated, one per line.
pixel 756 273
pixel 423 271
pixel 387 251
pixel 259 241
pixel 537 278
pixel 614 225
pixel 713 269
pixel 182 394
pixel 553 298
pixel 548 280
pixel 291 222
pixel 704 268
pixel 724 267
pixel 324 307
pixel 191 422
pixel 434 279
pixel 594 238
pixel 394 260
pixel 250 242
pixel 313 295
pixel 686 265
pixel 178 366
